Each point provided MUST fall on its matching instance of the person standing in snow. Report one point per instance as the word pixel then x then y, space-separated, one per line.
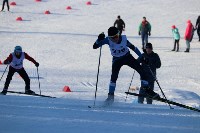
pixel 150 61
pixel 5 2
pixel 188 35
pixel 176 36
pixel 15 60
pixel 120 24
pixel 198 27
pixel 119 48
pixel 144 31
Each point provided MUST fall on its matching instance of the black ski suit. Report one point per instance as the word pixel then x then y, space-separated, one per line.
pixel 21 71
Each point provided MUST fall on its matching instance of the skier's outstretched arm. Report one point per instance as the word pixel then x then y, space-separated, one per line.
pixel 135 49
pixel 100 41
pixel 31 59
pixel 8 59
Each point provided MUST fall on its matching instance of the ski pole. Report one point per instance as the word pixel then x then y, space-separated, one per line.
pixel 130 84
pixel 97 76
pixel 159 86
pixel 38 80
pixel 4 72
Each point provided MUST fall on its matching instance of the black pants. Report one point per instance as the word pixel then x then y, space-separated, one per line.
pixel 143 92
pixel 22 73
pixel 198 32
pixel 128 60
pixel 176 42
pixel 120 31
pixel 5 2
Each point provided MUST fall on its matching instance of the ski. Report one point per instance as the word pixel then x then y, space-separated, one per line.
pixel 96 107
pixel 165 101
pixel 104 105
pixel 16 92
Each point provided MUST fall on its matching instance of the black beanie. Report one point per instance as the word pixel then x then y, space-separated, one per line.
pixel 112 31
pixel 149 45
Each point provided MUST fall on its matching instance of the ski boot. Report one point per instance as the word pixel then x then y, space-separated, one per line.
pixel 29 92
pixel 4 92
pixel 150 93
pixel 110 99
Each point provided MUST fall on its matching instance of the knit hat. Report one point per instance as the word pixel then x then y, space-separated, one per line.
pixel 189 21
pixel 112 31
pixel 173 26
pixel 149 45
pixel 18 49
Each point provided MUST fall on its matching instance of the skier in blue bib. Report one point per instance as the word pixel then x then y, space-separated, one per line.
pixel 119 48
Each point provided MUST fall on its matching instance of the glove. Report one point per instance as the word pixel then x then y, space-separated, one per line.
pixel 6 62
pixel 101 36
pixel 37 64
pixel 149 33
pixel 144 50
pixel 139 33
pixel 95 46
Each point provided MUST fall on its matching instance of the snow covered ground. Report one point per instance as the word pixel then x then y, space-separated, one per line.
pixel 62 43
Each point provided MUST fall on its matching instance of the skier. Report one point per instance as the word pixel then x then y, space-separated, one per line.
pixel 5 2
pixel 188 35
pixel 15 60
pixel 198 27
pixel 119 48
pixel 120 24
pixel 144 31
pixel 176 36
pixel 150 61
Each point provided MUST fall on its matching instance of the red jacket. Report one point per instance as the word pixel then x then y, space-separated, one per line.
pixel 10 58
pixel 188 31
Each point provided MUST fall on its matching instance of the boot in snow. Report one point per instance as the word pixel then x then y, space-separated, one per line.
pixel 187 50
pixel 29 92
pixel 151 93
pixel 110 99
pixel 4 92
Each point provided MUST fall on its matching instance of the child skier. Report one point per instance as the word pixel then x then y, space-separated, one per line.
pixel 15 60
pixel 176 36
pixel 119 48
pixel 150 61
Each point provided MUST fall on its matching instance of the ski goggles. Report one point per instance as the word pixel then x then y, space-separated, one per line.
pixel 114 37
pixel 18 52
